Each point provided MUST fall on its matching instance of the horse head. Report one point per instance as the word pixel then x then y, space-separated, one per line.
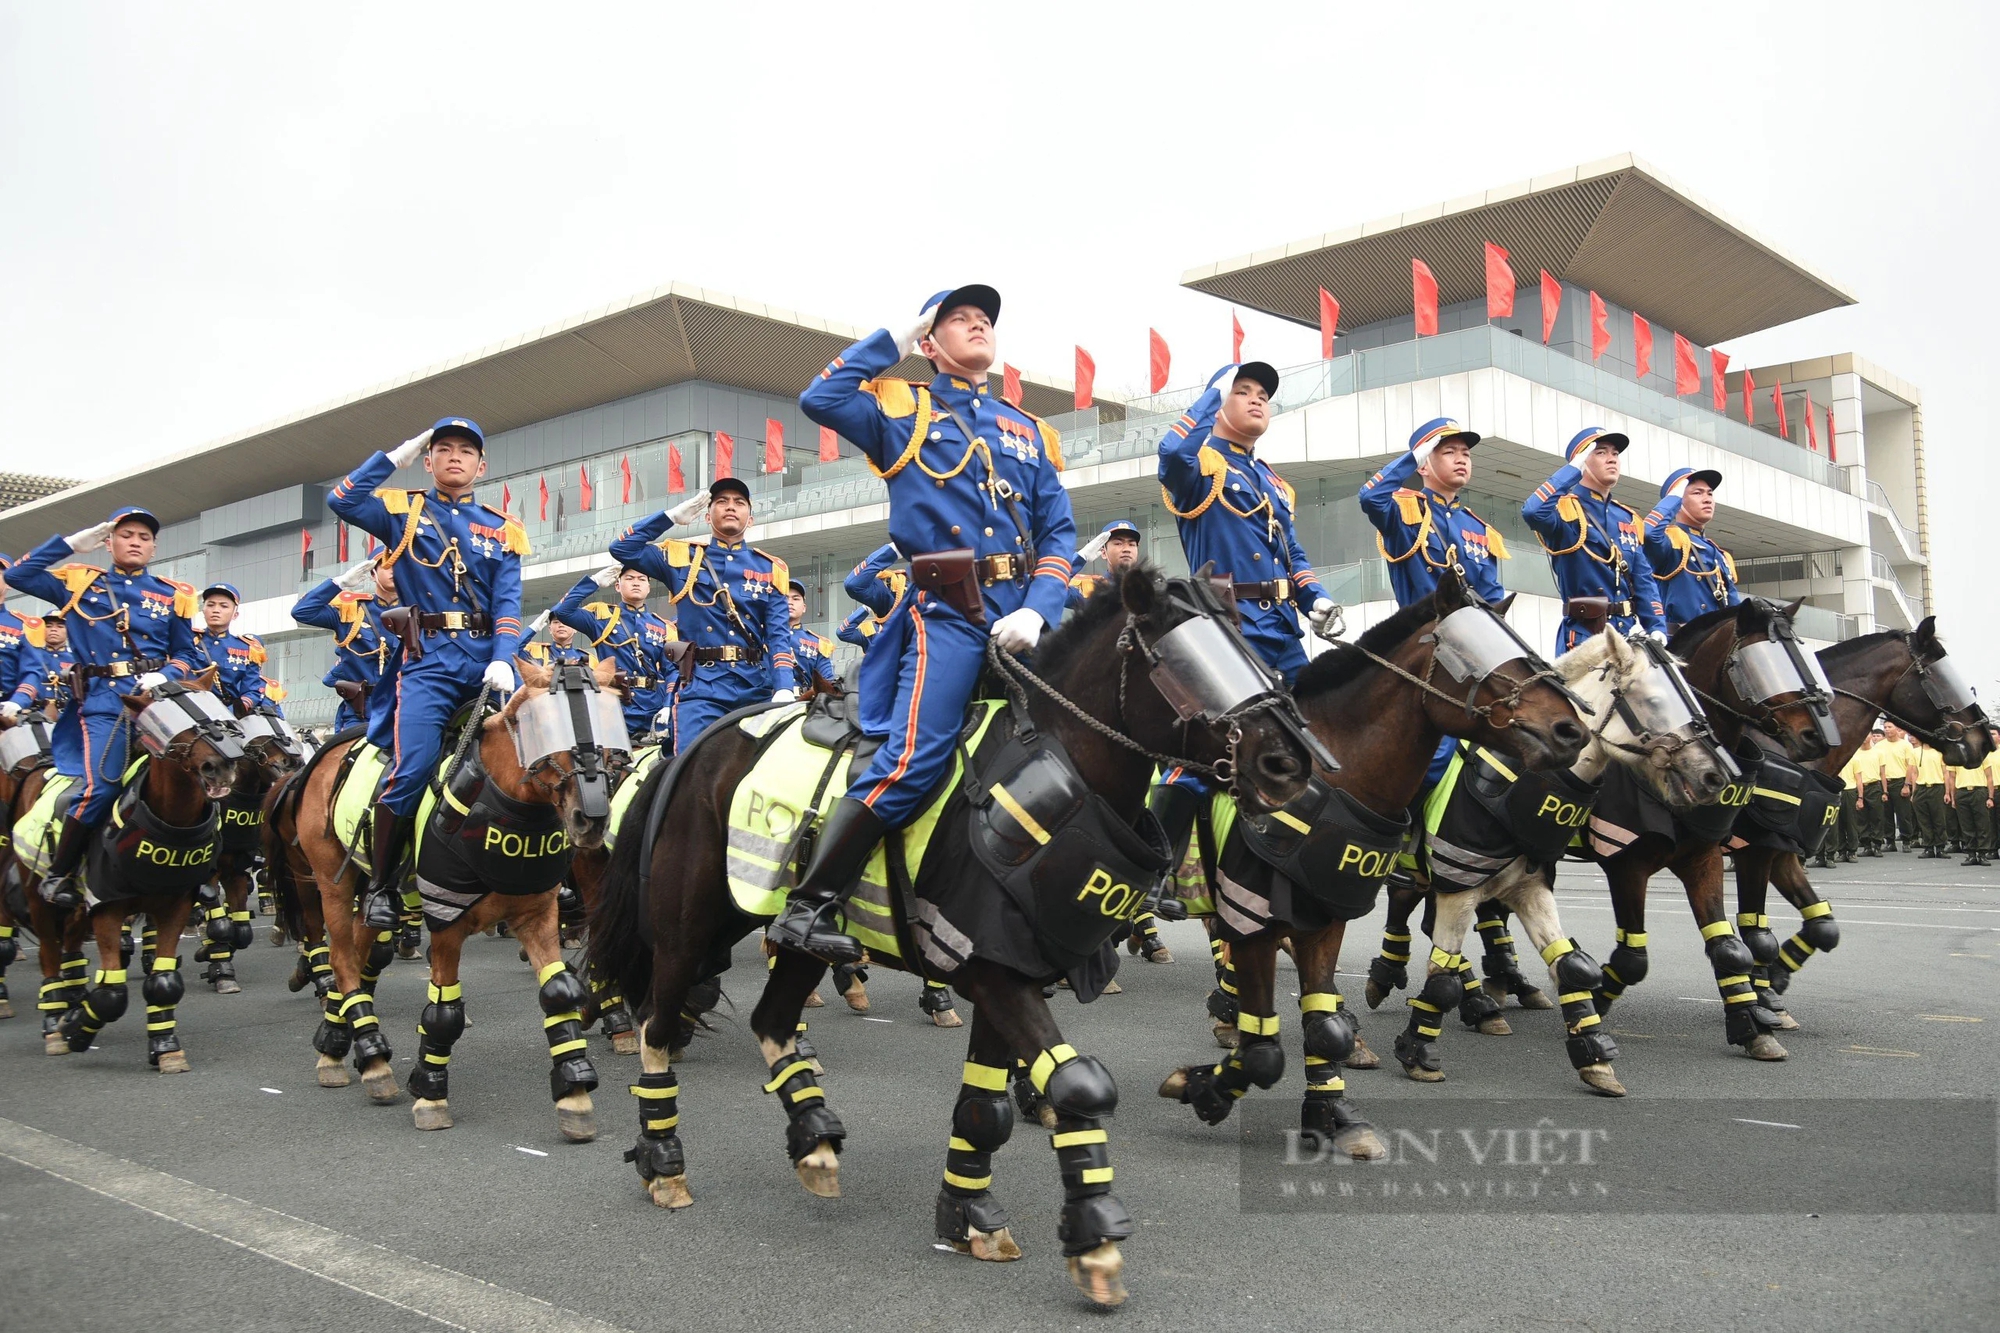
pixel 1930 699
pixel 1748 663
pixel 568 744
pixel 1647 718
pixel 272 746
pixel 184 726
pixel 1488 685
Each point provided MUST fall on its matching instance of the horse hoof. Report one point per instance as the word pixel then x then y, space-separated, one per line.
pixel 1175 1085
pixel 1375 993
pixel 1097 1274
pixel 379 1083
pixel 1362 1056
pixel 1786 1023
pixel 1764 1046
pixel 277 938
pixel 947 1018
pixel 1495 1026
pixel 625 1043
pixel 53 1044
pixel 1161 955
pixel 856 997
pixel 173 1062
pixel 1225 1036
pixel 1361 1144
pixel 406 951
pixel 226 986
pixel 670 1191
pixel 814 1002
pixel 1530 998
pixel 1601 1080
pixel 576 1118
pixel 996 1247
pixel 1112 988
pixel 331 1073
pixel 819 1172
pixel 676 1054
pixel 427 1114
pixel 6 1008
pixel 1422 1075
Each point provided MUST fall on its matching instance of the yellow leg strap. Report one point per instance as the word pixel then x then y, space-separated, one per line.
pixel 1633 938
pixel 1045 1064
pixel 1556 949
pixel 1713 929
pixel 989 1077
pixel 1813 910
pixel 542 977
pixel 1319 1002
pixel 1257 1026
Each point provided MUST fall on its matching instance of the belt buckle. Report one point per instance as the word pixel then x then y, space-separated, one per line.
pixel 1281 590
pixel 1003 567
pixel 453 619
pixel 119 670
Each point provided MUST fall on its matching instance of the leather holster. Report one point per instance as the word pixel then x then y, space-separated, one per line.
pixel 401 622
pixel 1593 613
pixel 951 576
pixel 681 654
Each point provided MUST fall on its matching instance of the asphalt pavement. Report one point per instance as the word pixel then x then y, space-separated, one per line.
pixel 243 1196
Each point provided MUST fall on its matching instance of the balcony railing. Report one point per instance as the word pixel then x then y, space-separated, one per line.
pixel 1879 497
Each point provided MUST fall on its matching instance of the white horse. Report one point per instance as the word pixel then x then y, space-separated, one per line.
pixel 1643 718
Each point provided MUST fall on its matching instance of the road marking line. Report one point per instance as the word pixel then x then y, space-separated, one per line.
pixel 1881 1050
pixel 1845 921
pixel 1768 1124
pixel 1950 1018
pixel 275 1092
pixel 866 1019
pixel 532 1152
pixel 442 1295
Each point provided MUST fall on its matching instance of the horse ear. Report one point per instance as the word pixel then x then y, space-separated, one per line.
pixel 138 701
pixel 1505 604
pixel 206 680
pixel 1139 587
pixel 606 671
pixel 1925 633
pixel 1792 609
pixel 533 674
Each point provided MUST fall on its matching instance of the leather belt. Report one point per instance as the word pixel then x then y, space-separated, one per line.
pixel 727 653
pixel 473 622
pixel 1004 568
pixel 1589 608
pixel 119 670
pixel 1277 590
pixel 638 682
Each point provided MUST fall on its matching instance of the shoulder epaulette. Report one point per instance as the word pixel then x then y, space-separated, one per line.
pixel 1291 496
pixel 1677 536
pixel 186 600
pixel 258 653
pixel 394 499
pixel 895 397
pixel 1569 508
pixel 781 573
pixel 673 631
pixel 1730 561
pixel 677 551
pixel 609 614
pixel 77 577
pixel 1630 512
pixel 1410 506
pixel 347 606
pixel 35 632
pixel 513 537
pixel 825 645
pixel 273 690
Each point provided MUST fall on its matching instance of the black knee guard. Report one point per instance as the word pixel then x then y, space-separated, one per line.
pixel 241 933
pixel 217 929
pixel 381 952
pixel 658 1151
pixel 1725 951
pixel 162 991
pixel 1578 978
pixel 165 986
pixel 1730 958
pixel 810 1119
pixel 1329 1029
pixel 983 1117
pixel 981 1121
pixel 103 1003
pixel 10 948
pixel 1075 1085
pixel 439 1029
pixel 1080 1090
pixel 1574 969
pixel 561 997
pixel 1626 967
pixel 1757 937
pixel 1416 1044
pixel 1819 928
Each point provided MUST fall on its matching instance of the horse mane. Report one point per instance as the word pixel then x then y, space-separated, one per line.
pixel 1586 657
pixel 1698 629
pixel 1053 656
pixel 1340 664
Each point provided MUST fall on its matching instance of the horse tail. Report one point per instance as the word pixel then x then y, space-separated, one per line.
pixel 282 806
pixel 620 951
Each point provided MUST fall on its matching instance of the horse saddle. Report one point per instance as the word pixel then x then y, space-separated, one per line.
pixel 833 721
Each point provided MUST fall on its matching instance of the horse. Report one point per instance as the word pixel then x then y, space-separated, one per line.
pixel 531 763
pixel 272 750
pixel 24 765
pixel 1149 668
pixel 1906 676
pixel 1647 721
pixel 1372 702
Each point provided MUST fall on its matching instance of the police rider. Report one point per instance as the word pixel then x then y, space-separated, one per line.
pixel 1595 544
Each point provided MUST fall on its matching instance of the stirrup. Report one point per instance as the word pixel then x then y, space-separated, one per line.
pixel 60 892
pixel 803 927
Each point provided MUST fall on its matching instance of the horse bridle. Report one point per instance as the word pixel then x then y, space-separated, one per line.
pixel 1953 732
pixel 1764 716
pixel 591 764
pixel 198 716
pixel 1659 747
pixel 1539 670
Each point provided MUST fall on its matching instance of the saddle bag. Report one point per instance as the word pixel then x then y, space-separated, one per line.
pixel 1790 808
pixel 482 840
pixel 137 853
pixel 1059 850
pixel 1540 811
pixel 242 821
pixel 1334 849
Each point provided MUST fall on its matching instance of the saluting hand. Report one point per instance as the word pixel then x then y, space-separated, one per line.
pixel 90 539
pixel 358 577
pixel 688 511
pixel 607 576
pixel 1093 548
pixel 917 332
pixel 406 453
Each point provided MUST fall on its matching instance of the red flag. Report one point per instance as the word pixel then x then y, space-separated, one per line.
pixel 1778 401
pixel 1687 374
pixel 829 445
pixel 1162 360
pixel 1552 300
pixel 1718 376
pixel 543 512
pixel 1832 454
pixel 1749 412
pixel 585 492
pixel 1086 377
pixel 1329 321
pixel 1010 384
pixel 625 480
pixel 1600 327
pixel 774 445
pixel 506 501
pixel 1642 345
pixel 371 544
pixel 340 540
pixel 1812 431
pixel 1235 338
pixel 1499 283
pixel 1424 297
pixel 725 456
pixel 676 479
pixel 305 552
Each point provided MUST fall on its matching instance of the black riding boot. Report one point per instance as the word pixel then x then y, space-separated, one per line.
pixel 1176 809
pixel 849 838
pixel 382 905
pixel 59 888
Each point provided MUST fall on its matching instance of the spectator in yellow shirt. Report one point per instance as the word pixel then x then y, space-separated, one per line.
pixel 1926 783
pixel 1970 791
pixel 1899 763
pixel 1871 803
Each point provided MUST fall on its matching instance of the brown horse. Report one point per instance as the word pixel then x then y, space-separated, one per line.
pixel 667 914
pixel 1372 702
pixel 300 842
pixel 22 774
pixel 272 750
pixel 1894 674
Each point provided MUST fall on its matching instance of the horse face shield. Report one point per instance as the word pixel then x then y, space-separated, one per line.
pixel 575 718
pixel 269 738
pixel 176 710
pixel 1662 721
pixel 1473 643
pixel 1780 665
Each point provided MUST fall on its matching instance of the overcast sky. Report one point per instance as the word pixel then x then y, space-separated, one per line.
pixel 212 215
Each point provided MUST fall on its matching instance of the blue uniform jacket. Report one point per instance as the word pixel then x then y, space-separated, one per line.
pixel 1574 524
pixel 461 556
pixel 239 661
pixel 44 677
pixel 1417 531
pixel 876 583
pixel 113 616
pixel 815 659
pixel 19 636
pixel 943 448
pixel 859 628
pixel 636 640
pixel 725 595
pixel 1235 512
pixel 1694 574
pixel 549 654
pixel 363 649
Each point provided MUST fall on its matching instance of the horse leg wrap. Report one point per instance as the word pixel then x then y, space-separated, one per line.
pixel 439 1029
pixel 149 945
pixel 63 992
pixel 658 1151
pixel 1028 1099
pixel 10 949
pixel 1816 932
pixel 1757 936
pixel 1080 1090
pixel 162 991
pixel 1222 1000
pixel 216 928
pixel 611 1011
pixel 103 1003
pixel 358 1010
pixel 811 1119
pixel 1626 967
pixel 333 1037
pixel 1475 1005
pixel 322 968
pixel 380 954
pixel 936 998
pixel 981 1121
pixel 1257 1061
pixel 125 945
pixel 1390 969
pixel 1577 979
pixel 1500 963
pixel 562 996
pixel 1743 1017
pixel 1416 1044
pixel 241 933
pixel 1329 1029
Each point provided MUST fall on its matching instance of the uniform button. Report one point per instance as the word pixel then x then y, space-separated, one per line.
pixel 1258 556
pixel 937 435
pixel 989 532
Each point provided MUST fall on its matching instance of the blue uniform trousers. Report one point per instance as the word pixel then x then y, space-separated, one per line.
pixel 698 706
pixel 940 660
pixel 428 691
pixel 345 717
pixel 91 743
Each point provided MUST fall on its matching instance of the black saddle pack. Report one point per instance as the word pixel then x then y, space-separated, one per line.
pixel 242 821
pixel 138 854
pixel 1331 847
pixel 1496 814
pixel 481 840
pixel 1791 808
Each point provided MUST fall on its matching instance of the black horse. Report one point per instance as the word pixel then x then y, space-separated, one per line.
pixel 1104 690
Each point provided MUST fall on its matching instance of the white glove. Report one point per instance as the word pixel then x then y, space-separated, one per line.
pixel 406 453
pixel 1018 631
pixel 541 622
pixel 687 511
pixel 918 331
pixel 357 578
pixel 1422 453
pixel 9 711
pixel 152 680
pixel 1224 379
pixel 1322 614
pixel 90 539
pixel 1658 636
pixel 785 697
pixel 1680 486
pixel 1093 548
pixel 499 676
pixel 664 719
pixel 607 576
